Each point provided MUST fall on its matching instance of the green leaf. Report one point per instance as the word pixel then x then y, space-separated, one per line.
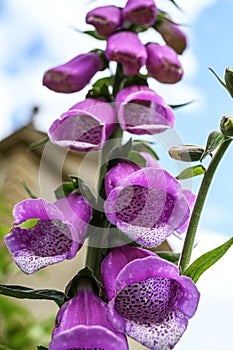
pixel 39 143
pixel 21 292
pixel 215 138
pixel 27 189
pixel 191 172
pixel 204 262
pixel 136 158
pixel 143 146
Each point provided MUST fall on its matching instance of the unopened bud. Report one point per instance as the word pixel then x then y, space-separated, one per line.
pixel 186 153
pixel 229 80
pixel 226 124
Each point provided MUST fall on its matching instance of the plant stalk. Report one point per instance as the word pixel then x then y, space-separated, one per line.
pixel 200 200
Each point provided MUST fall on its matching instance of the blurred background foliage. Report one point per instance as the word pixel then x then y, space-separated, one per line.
pixel 18 328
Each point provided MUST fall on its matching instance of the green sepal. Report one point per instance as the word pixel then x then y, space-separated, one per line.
pixel 204 262
pixel 84 279
pixel 226 86
pixel 101 89
pixel 83 188
pixel 91 33
pixel 94 34
pixel 64 189
pixel 191 172
pixel 215 138
pixel 169 256
pixel 77 184
pixel 138 79
pixel 21 292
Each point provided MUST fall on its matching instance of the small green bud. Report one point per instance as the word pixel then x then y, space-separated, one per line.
pixel 226 124
pixel 186 153
pixel 229 80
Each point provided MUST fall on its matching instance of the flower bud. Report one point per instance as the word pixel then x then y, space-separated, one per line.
pixel 186 153
pixel 226 125
pixel 172 34
pixel 126 48
pixel 229 80
pixel 73 75
pixel 163 64
pixel 142 12
pixel 105 19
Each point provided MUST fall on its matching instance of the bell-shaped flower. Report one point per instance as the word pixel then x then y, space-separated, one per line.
pixel 85 126
pixel 126 48
pixel 148 299
pixel 46 233
pixel 172 34
pixel 147 205
pixel 163 64
pixel 142 12
pixel 73 75
pixel 82 324
pixel 143 111
pixel 105 19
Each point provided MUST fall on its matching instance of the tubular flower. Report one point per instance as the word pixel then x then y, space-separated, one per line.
pixel 126 48
pixel 172 35
pixel 163 64
pixel 148 299
pixel 85 126
pixel 73 75
pixel 82 324
pixel 105 19
pixel 143 111
pixel 147 205
pixel 57 233
pixel 142 12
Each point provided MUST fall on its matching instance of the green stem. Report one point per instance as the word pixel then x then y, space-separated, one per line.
pixel 96 254
pixel 194 220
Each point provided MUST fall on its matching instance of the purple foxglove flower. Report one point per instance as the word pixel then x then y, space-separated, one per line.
pixel 143 111
pixel 73 75
pixel 56 235
pixel 172 35
pixel 191 197
pixel 82 324
pixel 85 126
pixel 148 299
pixel 142 12
pixel 147 205
pixel 163 63
pixel 105 19
pixel 126 48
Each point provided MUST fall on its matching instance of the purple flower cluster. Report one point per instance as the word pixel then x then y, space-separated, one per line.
pixel 145 297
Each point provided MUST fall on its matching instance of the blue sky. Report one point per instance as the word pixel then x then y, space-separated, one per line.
pixel 36 35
